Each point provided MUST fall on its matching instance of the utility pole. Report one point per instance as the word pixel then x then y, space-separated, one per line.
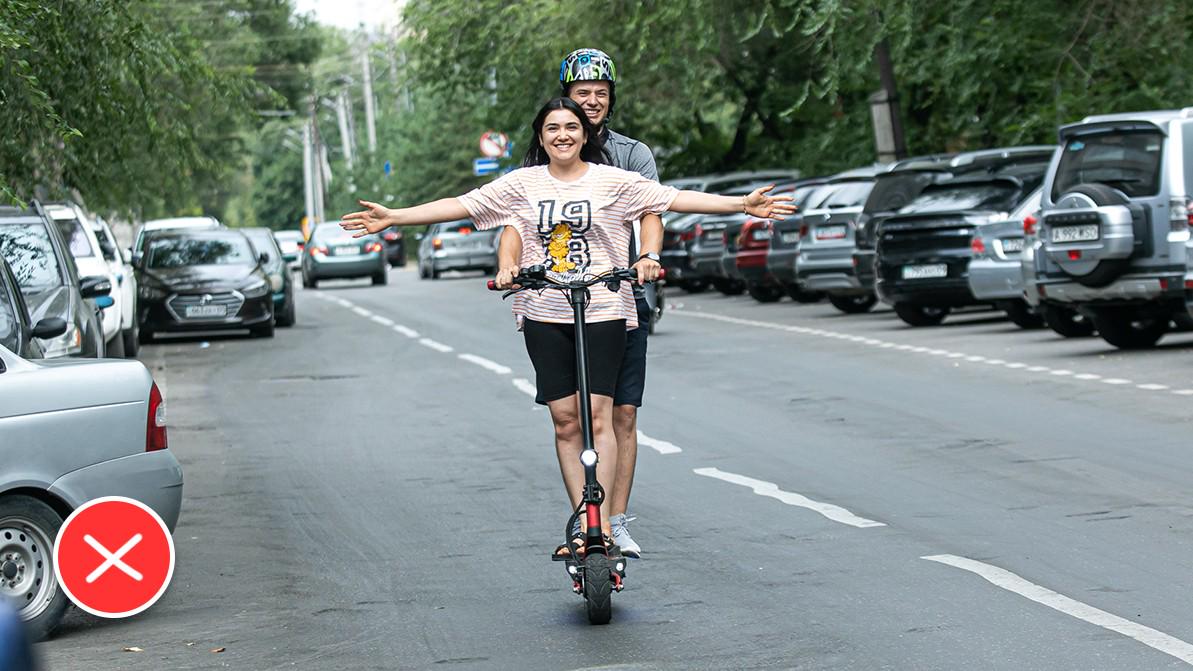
pixel 370 113
pixel 308 182
pixel 345 131
pixel 889 99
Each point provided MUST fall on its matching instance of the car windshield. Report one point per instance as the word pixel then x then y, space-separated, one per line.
pixel 893 191
pixel 30 254
pixel 75 237
pixel 1129 162
pixel 847 194
pixel 999 196
pixel 176 252
pixel 799 197
pixel 8 321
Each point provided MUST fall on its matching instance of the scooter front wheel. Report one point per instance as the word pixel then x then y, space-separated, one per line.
pixel 598 588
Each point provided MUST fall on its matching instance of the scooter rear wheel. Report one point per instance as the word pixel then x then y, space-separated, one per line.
pixel 598 589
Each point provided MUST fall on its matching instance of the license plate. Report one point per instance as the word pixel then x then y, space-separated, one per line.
pixel 1012 245
pixel 790 237
pixel 1075 233
pixel 761 234
pixel 714 236
pixel 193 311
pixel 930 271
pixel 830 232
pixel 351 250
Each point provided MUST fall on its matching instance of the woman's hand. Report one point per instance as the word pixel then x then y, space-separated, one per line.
pixel 648 270
pixel 505 277
pixel 762 206
pixel 373 219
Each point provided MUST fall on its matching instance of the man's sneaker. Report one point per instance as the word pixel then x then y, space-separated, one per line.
pixel 621 536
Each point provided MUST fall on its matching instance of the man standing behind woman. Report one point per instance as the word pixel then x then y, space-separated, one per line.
pixel 589 77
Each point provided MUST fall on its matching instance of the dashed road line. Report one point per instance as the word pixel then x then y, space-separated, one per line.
pixel 361 311
pixel 408 332
pixel 770 489
pixel 486 364
pixel 1011 582
pixel 873 342
pixel 435 345
pixel 384 321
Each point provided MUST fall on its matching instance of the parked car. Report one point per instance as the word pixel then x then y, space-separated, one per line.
pixel 202 280
pixel 995 273
pixel 58 457
pixel 924 251
pixel 783 246
pixel 332 253
pixel 898 187
pixel 457 245
pixel 825 245
pixel 280 282
pixel 395 247
pixel 190 223
pixel 126 280
pixel 679 230
pixel 707 249
pixel 17 333
pixel 724 182
pixel 1115 231
pixel 751 245
pixel 78 231
pixel 49 280
pixel 291 244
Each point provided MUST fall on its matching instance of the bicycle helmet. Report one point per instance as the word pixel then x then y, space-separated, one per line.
pixel 589 65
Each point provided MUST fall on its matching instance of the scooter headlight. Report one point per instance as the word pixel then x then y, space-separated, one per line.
pixel 588 457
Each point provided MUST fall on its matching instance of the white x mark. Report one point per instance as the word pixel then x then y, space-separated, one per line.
pixel 113 558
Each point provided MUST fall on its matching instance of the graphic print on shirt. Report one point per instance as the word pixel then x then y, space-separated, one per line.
pixel 564 242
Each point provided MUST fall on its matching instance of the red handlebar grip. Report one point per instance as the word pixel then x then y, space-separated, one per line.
pixel 662 273
pixel 492 284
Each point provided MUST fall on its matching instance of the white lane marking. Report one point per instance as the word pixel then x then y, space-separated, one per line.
pixel 435 345
pixel 1011 582
pixel 362 312
pixel 384 321
pixel 660 446
pixel 526 387
pixel 408 332
pixel 770 489
pixel 485 363
pixel 342 302
pixel 1014 365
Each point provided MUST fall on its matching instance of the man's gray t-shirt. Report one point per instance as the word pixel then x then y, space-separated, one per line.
pixel 629 154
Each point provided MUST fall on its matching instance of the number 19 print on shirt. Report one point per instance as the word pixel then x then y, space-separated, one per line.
pixel 564 243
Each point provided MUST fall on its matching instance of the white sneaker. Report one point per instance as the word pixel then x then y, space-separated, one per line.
pixel 621 536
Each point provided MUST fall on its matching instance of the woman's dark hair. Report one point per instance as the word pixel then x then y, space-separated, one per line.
pixel 593 150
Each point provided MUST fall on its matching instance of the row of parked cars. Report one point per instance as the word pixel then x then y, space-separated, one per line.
pixel 1089 235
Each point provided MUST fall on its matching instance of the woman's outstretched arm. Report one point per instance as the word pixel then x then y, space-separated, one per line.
pixel 375 218
pixel 756 204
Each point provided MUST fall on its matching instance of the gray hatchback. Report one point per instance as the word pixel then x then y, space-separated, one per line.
pixel 457 245
pixel 332 253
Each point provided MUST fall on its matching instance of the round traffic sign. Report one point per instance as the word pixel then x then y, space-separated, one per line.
pixel 114 557
pixel 494 144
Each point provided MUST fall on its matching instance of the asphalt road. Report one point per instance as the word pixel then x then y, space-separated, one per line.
pixel 374 489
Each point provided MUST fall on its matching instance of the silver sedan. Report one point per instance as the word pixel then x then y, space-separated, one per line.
pixel 72 431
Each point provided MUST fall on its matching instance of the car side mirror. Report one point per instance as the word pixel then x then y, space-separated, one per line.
pixel 136 258
pixel 95 286
pixel 50 327
pixel 263 258
pixel 126 255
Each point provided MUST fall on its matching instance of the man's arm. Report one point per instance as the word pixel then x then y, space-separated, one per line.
pixel 651 240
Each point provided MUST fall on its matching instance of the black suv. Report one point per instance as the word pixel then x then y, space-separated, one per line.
pixel 923 252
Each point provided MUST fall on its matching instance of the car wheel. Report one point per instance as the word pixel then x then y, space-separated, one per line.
pixel 433 273
pixel 131 340
pixel 381 279
pixel 921 315
pixel 312 283
pixel 28 529
pixel 1066 321
pixel 764 293
pixel 1128 329
pixel 145 336
pixel 115 347
pixel 264 330
pixel 803 296
pixel 287 317
pixel 853 305
pixel 1022 315
pixel 729 287
pixel 695 286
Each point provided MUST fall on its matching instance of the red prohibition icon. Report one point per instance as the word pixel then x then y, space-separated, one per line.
pixel 114 557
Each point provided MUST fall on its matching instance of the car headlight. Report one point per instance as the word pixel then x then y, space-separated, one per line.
pixel 66 344
pixel 276 283
pixel 152 291
pixel 258 287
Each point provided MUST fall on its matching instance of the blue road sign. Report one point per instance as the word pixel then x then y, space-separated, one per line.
pixel 484 166
pixel 389 168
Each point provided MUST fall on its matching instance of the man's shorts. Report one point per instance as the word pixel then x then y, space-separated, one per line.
pixel 552 350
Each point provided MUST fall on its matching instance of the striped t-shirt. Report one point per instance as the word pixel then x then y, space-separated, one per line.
pixel 575 229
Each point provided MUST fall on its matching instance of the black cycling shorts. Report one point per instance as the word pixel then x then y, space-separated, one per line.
pixel 552 350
